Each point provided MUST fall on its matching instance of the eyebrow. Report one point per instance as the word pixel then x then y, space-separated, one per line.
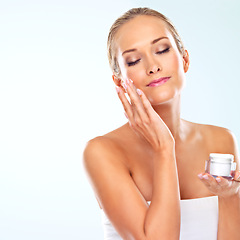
pixel 153 42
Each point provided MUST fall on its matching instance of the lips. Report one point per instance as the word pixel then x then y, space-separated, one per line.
pixel 158 82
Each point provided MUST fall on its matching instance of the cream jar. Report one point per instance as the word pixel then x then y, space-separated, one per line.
pixel 220 165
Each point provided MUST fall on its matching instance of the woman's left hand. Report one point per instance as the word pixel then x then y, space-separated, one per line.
pixel 221 186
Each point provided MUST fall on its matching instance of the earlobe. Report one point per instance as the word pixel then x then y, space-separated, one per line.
pixel 116 80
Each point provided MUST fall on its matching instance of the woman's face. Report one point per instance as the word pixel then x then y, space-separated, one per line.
pixel 148 55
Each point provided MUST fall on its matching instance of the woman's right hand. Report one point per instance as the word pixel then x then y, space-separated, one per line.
pixel 143 119
pixel 112 179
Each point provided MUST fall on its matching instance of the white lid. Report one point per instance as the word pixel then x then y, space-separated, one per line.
pixel 219 157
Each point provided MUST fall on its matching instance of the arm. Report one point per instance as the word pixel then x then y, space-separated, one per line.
pixel 229 218
pixel 121 200
pixel 228 192
pixel 162 220
pixel 229 206
pixel 115 189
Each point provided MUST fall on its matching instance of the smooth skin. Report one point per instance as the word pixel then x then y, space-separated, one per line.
pixel 157 156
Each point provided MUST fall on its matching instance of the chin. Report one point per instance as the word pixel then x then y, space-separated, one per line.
pixel 163 97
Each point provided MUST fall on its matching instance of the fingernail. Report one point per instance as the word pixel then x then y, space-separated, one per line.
pixel 125 115
pixel 124 85
pixel 131 80
pixel 127 81
pixel 205 176
pixel 139 92
pixel 117 89
pixel 200 175
pixel 218 179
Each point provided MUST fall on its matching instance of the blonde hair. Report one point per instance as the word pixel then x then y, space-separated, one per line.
pixel 130 14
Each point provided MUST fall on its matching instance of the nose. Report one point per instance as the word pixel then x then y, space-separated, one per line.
pixel 153 67
pixel 154 70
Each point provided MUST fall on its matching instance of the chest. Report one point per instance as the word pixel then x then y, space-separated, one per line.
pixel 190 162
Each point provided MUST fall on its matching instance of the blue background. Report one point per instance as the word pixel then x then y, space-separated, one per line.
pixel 56 93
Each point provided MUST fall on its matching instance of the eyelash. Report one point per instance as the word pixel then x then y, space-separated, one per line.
pixel 164 51
pixel 135 62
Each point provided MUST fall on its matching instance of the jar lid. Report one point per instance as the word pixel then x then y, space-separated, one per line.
pixel 223 158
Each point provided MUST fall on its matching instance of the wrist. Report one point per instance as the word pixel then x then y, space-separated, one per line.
pixel 230 198
pixel 165 152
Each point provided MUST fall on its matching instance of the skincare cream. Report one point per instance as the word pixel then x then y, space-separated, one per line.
pixel 220 165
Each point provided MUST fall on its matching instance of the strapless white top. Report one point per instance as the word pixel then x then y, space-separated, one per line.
pixel 199 220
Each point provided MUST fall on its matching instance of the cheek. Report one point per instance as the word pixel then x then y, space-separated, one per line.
pixel 128 72
pixel 178 61
pixel 133 73
pixel 174 62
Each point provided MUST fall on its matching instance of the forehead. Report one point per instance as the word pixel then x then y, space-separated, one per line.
pixel 139 31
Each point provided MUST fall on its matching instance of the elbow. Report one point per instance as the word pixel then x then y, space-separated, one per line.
pixel 166 234
pixel 164 237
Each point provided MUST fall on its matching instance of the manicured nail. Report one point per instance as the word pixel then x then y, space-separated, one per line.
pixel 117 89
pixel 139 92
pixel 127 81
pixel 125 115
pixel 205 177
pixel 131 80
pixel 218 179
pixel 124 85
pixel 200 175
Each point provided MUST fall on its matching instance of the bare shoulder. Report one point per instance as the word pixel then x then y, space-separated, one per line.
pixel 101 148
pixel 106 150
pixel 220 136
pixel 221 139
pixel 100 143
pixel 212 132
pixel 111 181
pixel 103 160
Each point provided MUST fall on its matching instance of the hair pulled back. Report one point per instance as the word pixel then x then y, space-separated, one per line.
pixel 127 16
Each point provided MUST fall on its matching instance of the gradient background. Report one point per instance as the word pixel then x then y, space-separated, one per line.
pixel 56 93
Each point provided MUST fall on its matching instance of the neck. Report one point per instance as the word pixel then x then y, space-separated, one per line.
pixel 170 114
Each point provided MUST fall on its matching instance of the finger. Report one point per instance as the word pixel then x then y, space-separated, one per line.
pixel 146 104
pixel 139 116
pixel 126 105
pixel 204 178
pixel 128 110
pixel 223 182
pixel 136 100
pixel 237 180
pixel 149 109
pixel 134 114
pixel 236 176
pixel 209 180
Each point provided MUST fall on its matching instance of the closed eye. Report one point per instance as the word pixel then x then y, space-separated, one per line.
pixel 164 51
pixel 133 63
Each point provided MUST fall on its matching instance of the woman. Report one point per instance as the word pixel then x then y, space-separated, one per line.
pixel 148 175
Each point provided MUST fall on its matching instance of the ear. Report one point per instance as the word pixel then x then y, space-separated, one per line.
pixel 186 61
pixel 118 82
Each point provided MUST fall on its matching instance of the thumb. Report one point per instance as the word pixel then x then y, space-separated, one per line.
pixel 237 175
